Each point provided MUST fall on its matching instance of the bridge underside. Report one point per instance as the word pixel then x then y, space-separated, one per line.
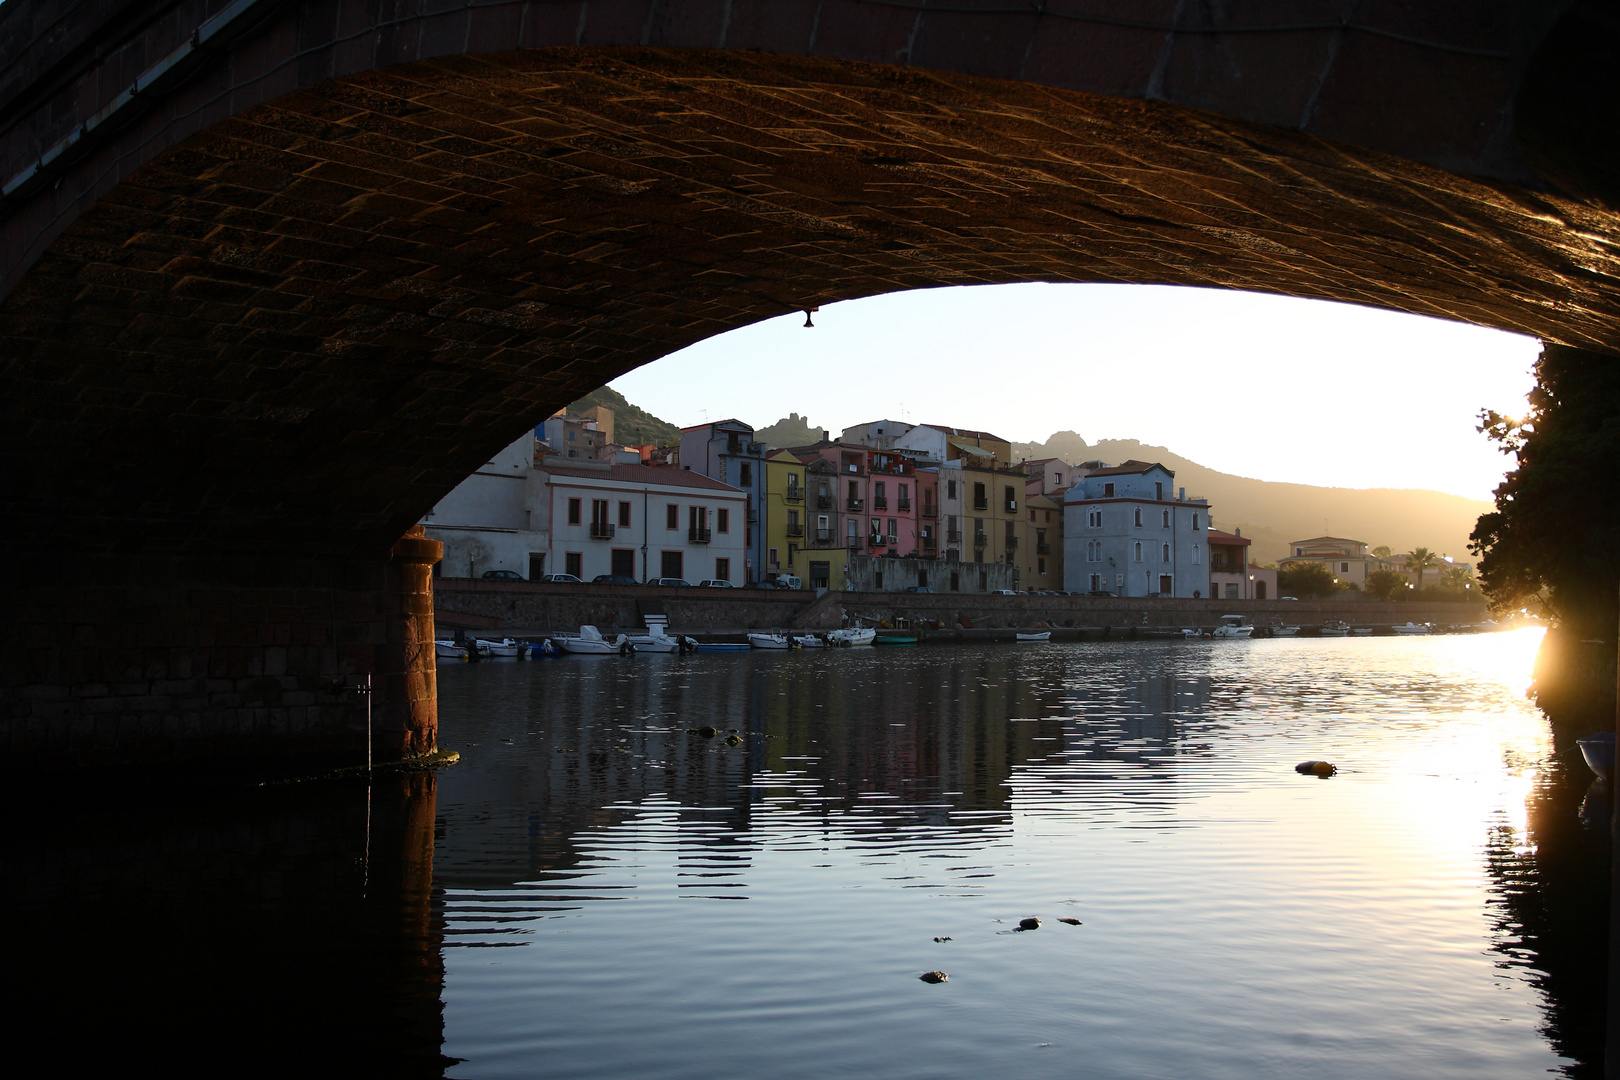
pixel 280 342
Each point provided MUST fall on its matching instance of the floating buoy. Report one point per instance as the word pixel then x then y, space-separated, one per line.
pixel 1322 769
pixel 934 977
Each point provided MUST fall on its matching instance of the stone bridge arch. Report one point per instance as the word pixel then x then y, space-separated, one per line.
pixel 288 292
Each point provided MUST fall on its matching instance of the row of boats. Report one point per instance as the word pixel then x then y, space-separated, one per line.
pixel 1237 626
pixel 592 642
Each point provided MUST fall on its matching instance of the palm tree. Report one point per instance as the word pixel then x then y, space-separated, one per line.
pixel 1420 559
pixel 1457 577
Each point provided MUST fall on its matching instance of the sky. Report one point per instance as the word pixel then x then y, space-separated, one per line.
pixel 1265 386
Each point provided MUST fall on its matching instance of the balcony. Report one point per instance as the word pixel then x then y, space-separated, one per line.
pixel 794 495
pixel 855 506
pixel 795 530
pixel 875 540
pixel 953 537
pixel 929 543
pixel 981 504
pixel 601 530
pixel 904 505
pixel 854 543
pixel 880 503
pixel 1012 506
pixel 697 536
pixel 824 502
pixel 1011 543
pixel 929 510
pixel 979 539
pixel 824 536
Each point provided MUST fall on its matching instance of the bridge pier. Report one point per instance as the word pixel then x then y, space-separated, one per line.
pixel 109 660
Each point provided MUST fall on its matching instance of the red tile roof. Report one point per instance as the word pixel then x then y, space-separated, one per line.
pixel 1228 539
pixel 643 474
pixel 1130 468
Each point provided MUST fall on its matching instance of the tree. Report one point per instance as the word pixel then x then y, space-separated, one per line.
pixel 1307 579
pixel 1382 551
pixel 1551 543
pixel 1457 577
pixel 1420 559
pixel 1386 584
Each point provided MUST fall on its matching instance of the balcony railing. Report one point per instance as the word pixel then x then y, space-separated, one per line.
pixel 855 506
pixel 929 510
pixel 1011 543
pixel 697 536
pixel 794 494
pixel 824 536
pixel 1043 548
pixel 795 530
pixel 880 503
pixel 930 543
pixel 601 530
pixel 979 539
pixel 1012 506
pixel 954 536
pixel 855 543
pixel 824 502
pixel 981 504
pixel 905 504
pixel 875 540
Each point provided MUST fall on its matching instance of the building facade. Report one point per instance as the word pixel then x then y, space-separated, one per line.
pixel 495 519
pixel 1231 575
pixel 1127 530
pixel 728 452
pixel 783 514
pixel 1348 560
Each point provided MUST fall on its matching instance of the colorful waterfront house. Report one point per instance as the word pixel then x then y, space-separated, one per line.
pixel 847 488
pixel 825 554
pixel 1128 530
pixel 784 514
pixel 728 452
pixel 895 509
pixel 1231 575
pixel 1046 480
pixel 930 523
pixel 574 436
pixel 1348 560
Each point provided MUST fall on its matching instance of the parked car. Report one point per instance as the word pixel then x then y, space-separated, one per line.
pixel 1288 598
pixel 502 575
pixel 762 585
pixel 1099 592
pixel 919 588
pixel 613 579
pixel 670 582
pixel 715 583
pixel 563 578
pixel 1003 592
pixel 786 581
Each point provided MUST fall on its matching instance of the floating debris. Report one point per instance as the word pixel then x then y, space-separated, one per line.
pixel 1029 924
pixel 734 740
pixel 1071 922
pixel 706 731
pixel 947 938
pixel 1323 769
pixel 934 977
pixel 564 750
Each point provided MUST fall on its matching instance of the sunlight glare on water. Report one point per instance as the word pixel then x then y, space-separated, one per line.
pixel 621 896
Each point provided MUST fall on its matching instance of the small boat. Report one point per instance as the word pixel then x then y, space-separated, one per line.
pixel 897 637
pixel 1598 750
pixel 1284 631
pixel 1041 635
pixel 723 646
pixel 812 641
pixel 1410 627
pixel 1233 626
pixel 1193 634
pixel 542 649
pixel 853 635
pixel 506 647
pixel 449 650
pixel 1334 628
pixel 770 641
pixel 654 641
pixel 590 642
pixel 1360 631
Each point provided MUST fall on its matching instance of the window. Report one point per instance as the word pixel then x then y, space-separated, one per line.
pixel 1165 556
pixel 670 564
pixel 893 532
pixel 793 551
pixel 573 511
pixel 1138 517
pixel 697 518
pixel 1094 518
pixel 1158 492
pixel 624 561
pixel 624 515
pixel 981 501
pixel 722 569
pixel 1167 519
pixel 574 563
pixel 1344 568
pixel 570 434
pixel 722 519
pixel 1108 491
pixel 1139 551
pixel 599 511
pixel 771 558
pixel 1231 592
pixel 745 475
pixel 1040 566
pixel 1259 590
pixel 950 489
pixel 1032 514
pixel 1195 522
pixel 672 516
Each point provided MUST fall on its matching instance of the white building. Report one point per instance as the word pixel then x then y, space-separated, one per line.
pixel 1128 531
pixel 586 517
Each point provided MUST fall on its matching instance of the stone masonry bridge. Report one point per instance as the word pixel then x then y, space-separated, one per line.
pixel 275 275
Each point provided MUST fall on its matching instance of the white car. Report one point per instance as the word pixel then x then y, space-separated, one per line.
pixel 568 578
pixel 715 583
pixel 1003 592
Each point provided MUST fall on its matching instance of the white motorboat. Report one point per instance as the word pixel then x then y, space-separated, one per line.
pixel 812 641
pixel 853 635
pixel 506 647
pixel 1598 750
pixel 1233 626
pixel 1334 628
pixel 1410 627
pixel 1042 635
pixel 1192 634
pixel 1360 631
pixel 654 641
pixel 449 650
pixel 770 641
pixel 1284 631
pixel 590 642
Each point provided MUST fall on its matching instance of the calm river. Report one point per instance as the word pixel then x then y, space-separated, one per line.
pixel 597 891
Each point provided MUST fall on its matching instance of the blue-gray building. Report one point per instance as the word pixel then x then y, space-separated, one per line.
pixel 1129 531
pixel 728 452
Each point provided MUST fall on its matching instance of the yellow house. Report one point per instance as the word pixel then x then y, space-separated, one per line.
pixel 783 519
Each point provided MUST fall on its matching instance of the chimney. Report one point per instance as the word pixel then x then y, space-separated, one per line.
pixel 1181 495
pixel 1237 532
pixel 826 436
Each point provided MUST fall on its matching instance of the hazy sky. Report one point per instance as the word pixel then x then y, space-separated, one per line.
pixel 1247 383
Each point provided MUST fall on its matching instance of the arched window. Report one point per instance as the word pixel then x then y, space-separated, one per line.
pixel 1165 557
pixel 1195 555
pixel 1139 551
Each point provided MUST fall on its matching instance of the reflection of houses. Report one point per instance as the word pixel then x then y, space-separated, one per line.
pixel 1231 576
pixel 1128 531
pixel 586 517
pixel 1347 560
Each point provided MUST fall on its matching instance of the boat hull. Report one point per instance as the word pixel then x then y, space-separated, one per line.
pixel 1598 750
pixel 1044 636
pixel 769 641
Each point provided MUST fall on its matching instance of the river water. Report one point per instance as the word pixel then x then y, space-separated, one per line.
pixel 597 890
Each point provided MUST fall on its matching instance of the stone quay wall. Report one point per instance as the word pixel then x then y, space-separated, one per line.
pixel 522 608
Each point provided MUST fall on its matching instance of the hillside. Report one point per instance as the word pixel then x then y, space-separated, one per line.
pixel 1272 514
pixel 632 425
